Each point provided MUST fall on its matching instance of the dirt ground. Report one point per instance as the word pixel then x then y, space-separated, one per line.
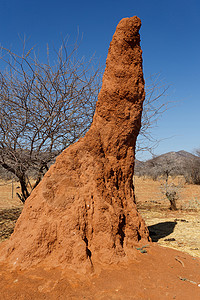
pixel 160 273
pixel 155 273
pixel 174 229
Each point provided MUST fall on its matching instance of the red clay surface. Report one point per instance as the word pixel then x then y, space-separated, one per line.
pixel 160 273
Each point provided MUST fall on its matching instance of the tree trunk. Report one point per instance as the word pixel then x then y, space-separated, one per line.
pixel 24 189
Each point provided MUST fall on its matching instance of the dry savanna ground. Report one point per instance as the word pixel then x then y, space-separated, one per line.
pixel 175 229
pixel 157 273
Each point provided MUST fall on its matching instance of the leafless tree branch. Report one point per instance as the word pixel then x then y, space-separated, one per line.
pixel 45 107
pixel 154 106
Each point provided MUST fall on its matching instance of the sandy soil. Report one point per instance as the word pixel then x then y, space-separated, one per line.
pixel 8 197
pixel 160 273
pixel 149 194
pixel 155 273
pixel 178 230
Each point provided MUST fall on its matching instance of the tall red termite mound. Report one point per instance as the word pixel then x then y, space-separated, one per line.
pixel 84 211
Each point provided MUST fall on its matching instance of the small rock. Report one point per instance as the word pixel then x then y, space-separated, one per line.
pixel 170 240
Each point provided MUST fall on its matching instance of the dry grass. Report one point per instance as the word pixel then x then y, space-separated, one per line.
pixel 8 197
pixel 148 193
pixel 184 234
pixel 178 230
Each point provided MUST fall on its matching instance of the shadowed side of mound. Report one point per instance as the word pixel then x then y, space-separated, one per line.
pixel 84 210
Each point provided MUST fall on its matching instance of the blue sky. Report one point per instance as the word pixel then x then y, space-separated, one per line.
pixel 170 41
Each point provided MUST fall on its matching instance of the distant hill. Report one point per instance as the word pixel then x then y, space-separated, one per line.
pixel 175 157
pixel 173 163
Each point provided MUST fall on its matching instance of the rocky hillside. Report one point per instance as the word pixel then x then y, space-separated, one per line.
pixel 173 164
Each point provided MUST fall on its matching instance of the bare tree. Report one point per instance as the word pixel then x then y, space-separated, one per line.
pixel 159 166
pixel 197 152
pixel 45 107
pixel 154 106
pixel 163 167
pixel 171 191
pixel 192 170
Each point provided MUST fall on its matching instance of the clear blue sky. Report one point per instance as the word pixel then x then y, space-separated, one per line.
pixel 170 39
